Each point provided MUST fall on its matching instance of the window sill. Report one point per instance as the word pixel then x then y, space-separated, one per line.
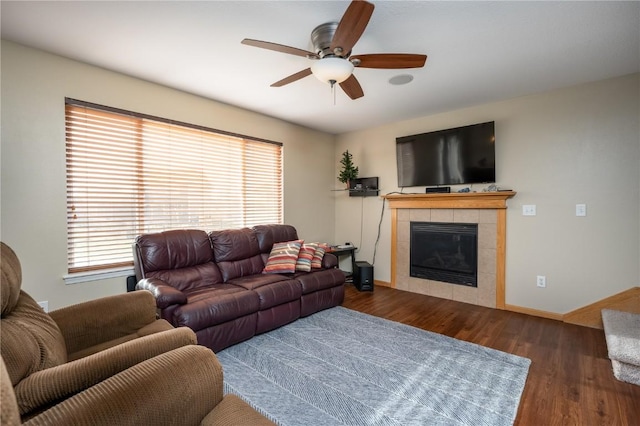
pixel 83 277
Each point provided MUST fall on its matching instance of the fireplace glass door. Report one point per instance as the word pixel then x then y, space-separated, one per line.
pixel 446 252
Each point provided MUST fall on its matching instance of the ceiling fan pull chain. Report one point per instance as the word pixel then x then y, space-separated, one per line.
pixel 333 91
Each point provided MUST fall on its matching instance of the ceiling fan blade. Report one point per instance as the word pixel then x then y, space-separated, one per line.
pixel 389 60
pixel 352 87
pixel 279 48
pixel 293 77
pixel 351 26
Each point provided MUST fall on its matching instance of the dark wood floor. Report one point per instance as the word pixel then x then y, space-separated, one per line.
pixel 570 380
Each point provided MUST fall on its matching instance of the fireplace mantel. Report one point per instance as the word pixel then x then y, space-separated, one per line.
pixel 496 201
pixel 460 200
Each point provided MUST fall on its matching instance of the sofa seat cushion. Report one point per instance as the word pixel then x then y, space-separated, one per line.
pixel 215 305
pixel 272 289
pixel 320 279
pixel 189 278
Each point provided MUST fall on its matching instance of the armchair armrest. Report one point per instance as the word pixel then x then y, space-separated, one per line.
pixel 164 294
pixel 47 386
pixel 97 321
pixel 177 387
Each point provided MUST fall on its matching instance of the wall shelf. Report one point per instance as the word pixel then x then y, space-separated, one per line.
pixel 363 187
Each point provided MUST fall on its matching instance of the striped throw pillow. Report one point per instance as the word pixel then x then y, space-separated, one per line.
pixel 305 256
pixel 316 262
pixel 283 257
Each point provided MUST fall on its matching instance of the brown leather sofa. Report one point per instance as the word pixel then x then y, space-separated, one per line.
pixel 213 283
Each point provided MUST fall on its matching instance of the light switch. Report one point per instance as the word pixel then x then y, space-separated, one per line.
pixel 581 209
pixel 529 210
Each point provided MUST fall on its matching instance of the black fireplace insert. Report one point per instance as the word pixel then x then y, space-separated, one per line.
pixel 446 252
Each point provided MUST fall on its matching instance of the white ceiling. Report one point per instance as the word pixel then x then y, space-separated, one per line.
pixel 478 52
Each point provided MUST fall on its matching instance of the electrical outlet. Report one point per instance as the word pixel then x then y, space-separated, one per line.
pixel 541 281
pixel 529 210
pixel 44 305
pixel 581 209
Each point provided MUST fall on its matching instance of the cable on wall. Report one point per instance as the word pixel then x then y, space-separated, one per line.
pixel 375 246
pixel 361 223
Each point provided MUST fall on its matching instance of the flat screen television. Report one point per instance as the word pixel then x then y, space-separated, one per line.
pixel 463 155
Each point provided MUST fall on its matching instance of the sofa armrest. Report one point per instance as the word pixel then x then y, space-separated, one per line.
pixel 176 388
pixel 56 383
pixel 101 320
pixel 329 261
pixel 164 294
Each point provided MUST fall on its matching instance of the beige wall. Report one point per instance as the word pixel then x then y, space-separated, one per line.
pixel 576 145
pixel 556 149
pixel 33 211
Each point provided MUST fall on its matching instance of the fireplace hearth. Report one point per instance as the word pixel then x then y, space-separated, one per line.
pixel 446 252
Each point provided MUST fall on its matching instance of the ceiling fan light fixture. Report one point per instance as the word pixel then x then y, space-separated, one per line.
pixel 332 70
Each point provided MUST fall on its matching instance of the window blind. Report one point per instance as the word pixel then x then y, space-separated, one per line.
pixel 129 174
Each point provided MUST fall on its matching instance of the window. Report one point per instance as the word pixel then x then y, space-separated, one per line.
pixel 129 174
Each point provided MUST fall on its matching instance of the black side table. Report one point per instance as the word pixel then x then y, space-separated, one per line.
pixel 345 251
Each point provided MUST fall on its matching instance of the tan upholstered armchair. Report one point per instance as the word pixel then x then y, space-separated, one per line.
pixel 180 387
pixel 51 357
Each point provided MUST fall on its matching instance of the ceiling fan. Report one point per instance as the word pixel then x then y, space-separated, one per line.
pixel 332 43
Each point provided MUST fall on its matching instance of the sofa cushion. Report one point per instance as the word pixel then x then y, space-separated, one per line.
pixel 241 268
pixel 189 278
pixel 283 257
pixel 174 249
pixel 305 256
pixel 233 244
pixel 181 258
pixel 236 252
pixel 215 305
pixel 272 289
pixel 268 235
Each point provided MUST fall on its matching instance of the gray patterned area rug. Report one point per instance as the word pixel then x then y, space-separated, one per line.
pixel 342 367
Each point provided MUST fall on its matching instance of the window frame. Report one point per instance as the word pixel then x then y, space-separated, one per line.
pixel 250 143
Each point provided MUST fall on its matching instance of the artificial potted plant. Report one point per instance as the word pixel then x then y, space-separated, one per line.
pixel 348 171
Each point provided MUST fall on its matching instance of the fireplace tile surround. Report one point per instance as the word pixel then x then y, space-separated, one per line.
pixel 488 210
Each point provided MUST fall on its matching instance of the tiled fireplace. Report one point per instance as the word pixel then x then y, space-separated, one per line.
pixel 487 210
